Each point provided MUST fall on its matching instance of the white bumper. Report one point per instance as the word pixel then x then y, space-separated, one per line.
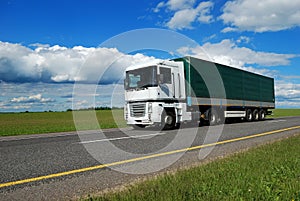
pixel 143 113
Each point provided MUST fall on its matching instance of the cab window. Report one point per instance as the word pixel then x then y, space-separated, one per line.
pixel 165 76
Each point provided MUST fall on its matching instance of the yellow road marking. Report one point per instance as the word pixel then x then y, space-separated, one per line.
pixel 13 183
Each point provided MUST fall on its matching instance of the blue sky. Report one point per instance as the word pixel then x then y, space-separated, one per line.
pixel 44 44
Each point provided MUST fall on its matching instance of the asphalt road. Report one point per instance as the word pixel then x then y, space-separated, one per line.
pixel 127 155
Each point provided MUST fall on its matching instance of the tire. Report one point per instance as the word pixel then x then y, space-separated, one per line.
pixel 177 126
pixel 262 115
pixel 249 115
pixel 213 117
pixel 168 120
pixel 138 126
pixel 255 115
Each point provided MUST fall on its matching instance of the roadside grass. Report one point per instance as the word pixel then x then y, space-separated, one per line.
pixel 269 172
pixel 50 122
pixel 285 112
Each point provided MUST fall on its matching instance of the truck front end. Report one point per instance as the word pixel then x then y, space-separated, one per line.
pixel 155 94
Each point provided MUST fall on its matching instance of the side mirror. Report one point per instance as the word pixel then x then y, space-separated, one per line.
pixel 125 83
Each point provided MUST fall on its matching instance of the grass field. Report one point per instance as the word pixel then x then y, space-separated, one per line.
pixel 285 112
pixel 270 172
pixel 48 122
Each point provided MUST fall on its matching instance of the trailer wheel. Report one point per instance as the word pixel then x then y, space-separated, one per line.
pixel 168 120
pixel 262 115
pixel 249 115
pixel 213 117
pixel 255 115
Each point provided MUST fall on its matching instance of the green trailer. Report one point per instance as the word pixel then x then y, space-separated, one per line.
pixel 229 89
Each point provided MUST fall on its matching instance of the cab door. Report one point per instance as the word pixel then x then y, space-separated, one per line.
pixel 168 82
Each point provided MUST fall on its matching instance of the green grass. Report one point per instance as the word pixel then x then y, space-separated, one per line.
pixel 270 172
pixel 286 112
pixel 48 122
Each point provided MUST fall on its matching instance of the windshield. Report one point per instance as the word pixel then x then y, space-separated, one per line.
pixel 141 78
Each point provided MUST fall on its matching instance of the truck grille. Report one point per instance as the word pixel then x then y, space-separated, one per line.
pixel 137 109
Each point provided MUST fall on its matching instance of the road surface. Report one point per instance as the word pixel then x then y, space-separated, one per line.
pixel 68 165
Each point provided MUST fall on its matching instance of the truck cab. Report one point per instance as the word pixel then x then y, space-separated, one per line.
pixel 155 95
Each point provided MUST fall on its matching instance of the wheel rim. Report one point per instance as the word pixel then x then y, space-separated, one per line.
pixel 212 118
pixel 262 115
pixel 168 120
pixel 249 116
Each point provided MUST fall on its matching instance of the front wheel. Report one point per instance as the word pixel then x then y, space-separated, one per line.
pixel 168 120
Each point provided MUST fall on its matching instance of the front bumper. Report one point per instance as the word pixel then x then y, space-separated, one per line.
pixel 145 113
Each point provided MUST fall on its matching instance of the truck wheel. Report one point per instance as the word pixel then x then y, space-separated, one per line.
pixel 213 118
pixel 261 115
pixel 168 120
pixel 249 115
pixel 138 126
pixel 255 115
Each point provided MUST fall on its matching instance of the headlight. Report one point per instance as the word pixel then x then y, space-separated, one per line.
pixel 125 112
pixel 149 107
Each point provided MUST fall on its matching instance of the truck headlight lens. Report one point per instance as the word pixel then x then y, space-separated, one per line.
pixel 149 107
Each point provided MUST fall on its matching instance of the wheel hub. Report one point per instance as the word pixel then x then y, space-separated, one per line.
pixel 168 120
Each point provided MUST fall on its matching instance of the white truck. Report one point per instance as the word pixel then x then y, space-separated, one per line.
pixel 186 89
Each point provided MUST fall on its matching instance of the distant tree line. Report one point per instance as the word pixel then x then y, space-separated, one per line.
pixel 96 108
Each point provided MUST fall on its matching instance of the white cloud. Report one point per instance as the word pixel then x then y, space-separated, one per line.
pixel 289 77
pixel 204 9
pixel 243 39
pixel 287 94
pixel 179 4
pixel 59 64
pixel 287 89
pixel 261 16
pixel 159 6
pixel 185 13
pixel 229 53
pixel 31 99
pixel 229 29
pixel 209 38
pixel 182 19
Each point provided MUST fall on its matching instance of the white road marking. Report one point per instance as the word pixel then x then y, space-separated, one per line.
pixel 121 138
pixel 275 121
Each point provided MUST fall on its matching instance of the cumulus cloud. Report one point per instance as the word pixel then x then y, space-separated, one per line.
pixel 229 53
pixel 18 97
pixel 32 99
pixel 287 94
pixel 56 64
pixel 175 5
pixel 185 13
pixel 260 16
pixel 287 90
